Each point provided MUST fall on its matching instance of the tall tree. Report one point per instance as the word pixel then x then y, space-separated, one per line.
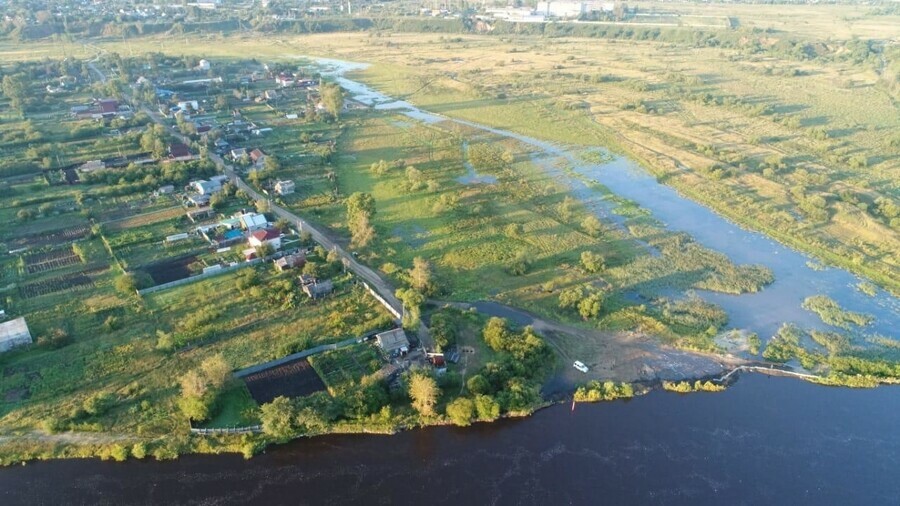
pixel 332 98
pixel 420 276
pixel 424 392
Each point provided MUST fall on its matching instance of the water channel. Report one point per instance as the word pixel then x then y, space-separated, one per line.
pixel 762 312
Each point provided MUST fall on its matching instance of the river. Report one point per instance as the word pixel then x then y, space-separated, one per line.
pixel 763 441
pixel 762 312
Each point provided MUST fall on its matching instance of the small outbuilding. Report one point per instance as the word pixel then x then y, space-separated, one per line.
pixel 393 341
pixel 14 333
pixel 318 289
pixel 284 187
pixel 289 262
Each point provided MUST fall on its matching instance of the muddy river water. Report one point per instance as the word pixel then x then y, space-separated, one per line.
pixel 763 441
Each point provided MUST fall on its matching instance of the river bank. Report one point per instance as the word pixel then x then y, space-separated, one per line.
pixel 742 445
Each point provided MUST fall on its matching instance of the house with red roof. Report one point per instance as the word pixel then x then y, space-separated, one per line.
pixel 268 236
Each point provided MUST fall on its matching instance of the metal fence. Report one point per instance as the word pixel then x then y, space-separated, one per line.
pixel 253 429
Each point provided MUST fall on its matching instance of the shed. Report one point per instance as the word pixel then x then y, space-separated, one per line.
pixel 14 333
pixel 289 262
pixel 318 289
pixel 393 341
pixel 284 187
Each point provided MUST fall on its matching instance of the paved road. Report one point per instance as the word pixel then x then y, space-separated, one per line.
pixel 376 282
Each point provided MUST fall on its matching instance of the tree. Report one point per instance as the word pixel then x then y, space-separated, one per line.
pixel 591 226
pixel 592 262
pixel 278 418
pixel 461 411
pixel 412 302
pixel 218 201
pixel 332 98
pixel 487 408
pixel 360 204
pixel 271 163
pixel 126 284
pixel 265 250
pixel 496 332
pixel 362 232
pixel 201 386
pixel 360 210
pixel 590 306
pixel 420 276
pixel 424 392
pixel 443 331
pixel 478 385
pixel 15 87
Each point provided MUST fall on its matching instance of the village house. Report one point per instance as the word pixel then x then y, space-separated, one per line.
pixel 204 187
pixel 284 187
pixel 204 64
pixel 268 236
pixel 198 200
pixel 14 333
pixel 258 157
pixel 318 289
pixel 285 79
pixel 237 153
pixel 290 262
pixel 393 342
pixel 200 214
pixel 252 222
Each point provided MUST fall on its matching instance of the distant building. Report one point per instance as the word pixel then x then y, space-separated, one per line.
pixel 393 341
pixel 284 187
pixel 563 9
pixel 165 190
pixel 14 333
pixel 204 64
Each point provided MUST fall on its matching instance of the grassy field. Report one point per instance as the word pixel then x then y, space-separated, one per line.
pixel 803 150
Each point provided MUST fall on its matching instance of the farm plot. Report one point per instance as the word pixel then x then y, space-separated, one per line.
pixel 140 220
pixel 59 284
pixel 170 270
pixel 48 261
pixel 348 365
pixel 296 378
pixel 50 238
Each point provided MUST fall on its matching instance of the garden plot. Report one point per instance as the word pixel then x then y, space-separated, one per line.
pixel 292 379
pixel 347 365
pixel 170 270
pixel 50 238
pixel 59 284
pixel 48 261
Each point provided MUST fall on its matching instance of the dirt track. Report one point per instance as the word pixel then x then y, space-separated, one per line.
pixel 618 356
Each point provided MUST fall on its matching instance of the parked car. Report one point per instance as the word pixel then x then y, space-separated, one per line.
pixel 580 366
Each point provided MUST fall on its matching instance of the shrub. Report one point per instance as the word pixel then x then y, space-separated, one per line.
pixel 461 411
